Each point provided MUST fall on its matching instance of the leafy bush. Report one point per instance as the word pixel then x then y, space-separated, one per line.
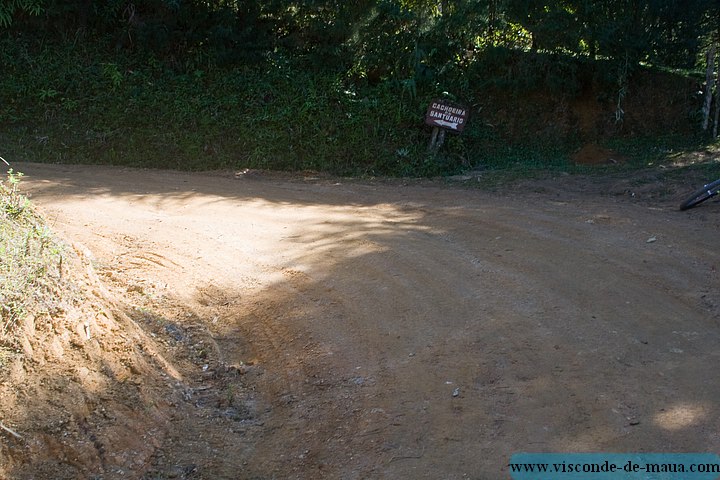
pixel 94 108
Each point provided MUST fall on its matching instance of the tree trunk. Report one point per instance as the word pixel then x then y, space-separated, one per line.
pixel 709 84
pixel 492 17
pixel 716 117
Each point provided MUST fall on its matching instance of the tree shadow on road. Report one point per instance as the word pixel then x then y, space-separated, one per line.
pixel 414 333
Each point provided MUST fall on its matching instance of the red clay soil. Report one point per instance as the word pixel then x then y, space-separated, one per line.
pixel 270 326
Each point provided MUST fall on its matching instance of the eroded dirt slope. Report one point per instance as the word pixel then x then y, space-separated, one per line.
pixel 403 331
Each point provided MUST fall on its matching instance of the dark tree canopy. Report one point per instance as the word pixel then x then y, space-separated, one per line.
pixel 416 45
pixel 378 37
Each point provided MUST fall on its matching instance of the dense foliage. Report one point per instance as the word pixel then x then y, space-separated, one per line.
pixel 392 36
pixel 316 78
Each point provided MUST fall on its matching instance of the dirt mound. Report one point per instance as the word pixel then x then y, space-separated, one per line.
pixel 101 387
pixel 70 390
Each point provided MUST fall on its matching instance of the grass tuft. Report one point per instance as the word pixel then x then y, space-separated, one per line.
pixel 30 258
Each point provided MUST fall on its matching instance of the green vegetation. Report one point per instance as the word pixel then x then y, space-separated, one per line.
pixel 343 87
pixel 144 115
pixel 30 259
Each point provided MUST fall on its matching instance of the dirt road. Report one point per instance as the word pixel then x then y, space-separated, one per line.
pixel 417 331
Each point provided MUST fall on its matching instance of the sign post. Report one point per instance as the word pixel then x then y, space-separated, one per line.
pixel 444 116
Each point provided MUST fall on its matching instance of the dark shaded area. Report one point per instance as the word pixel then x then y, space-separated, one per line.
pixel 419 35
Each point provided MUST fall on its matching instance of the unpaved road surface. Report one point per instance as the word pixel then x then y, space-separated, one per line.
pixel 418 331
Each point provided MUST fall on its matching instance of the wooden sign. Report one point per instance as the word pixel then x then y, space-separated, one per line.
pixel 447 115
